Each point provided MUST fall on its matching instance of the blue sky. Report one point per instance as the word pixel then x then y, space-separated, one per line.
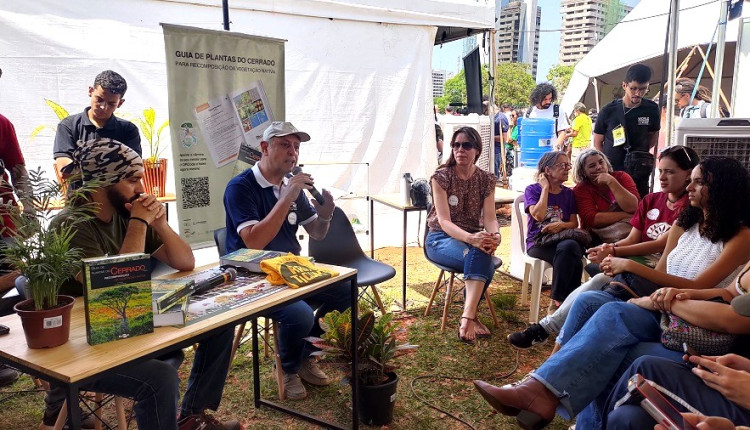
pixel 448 57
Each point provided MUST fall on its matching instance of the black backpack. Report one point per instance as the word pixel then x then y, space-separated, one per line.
pixel 420 193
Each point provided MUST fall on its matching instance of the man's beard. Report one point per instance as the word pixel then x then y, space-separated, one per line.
pixel 546 105
pixel 118 201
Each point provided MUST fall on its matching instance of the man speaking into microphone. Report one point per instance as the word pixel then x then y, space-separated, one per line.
pixel 264 207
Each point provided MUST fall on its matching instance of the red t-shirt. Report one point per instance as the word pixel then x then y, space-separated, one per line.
pixel 653 218
pixel 11 155
pixel 590 200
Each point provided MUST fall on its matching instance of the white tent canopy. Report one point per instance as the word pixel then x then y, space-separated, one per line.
pixel 640 38
pixel 358 75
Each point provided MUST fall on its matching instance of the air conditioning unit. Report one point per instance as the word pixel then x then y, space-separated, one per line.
pixel 727 137
pixel 481 123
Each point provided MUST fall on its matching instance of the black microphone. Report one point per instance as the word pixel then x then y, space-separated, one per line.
pixel 314 191
pixel 228 275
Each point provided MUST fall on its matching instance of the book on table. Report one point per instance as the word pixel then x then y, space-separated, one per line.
pixel 171 298
pixel 249 258
pixel 117 297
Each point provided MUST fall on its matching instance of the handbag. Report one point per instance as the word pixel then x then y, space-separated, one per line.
pixel 613 232
pixel 676 331
pixel 625 286
pixel 579 235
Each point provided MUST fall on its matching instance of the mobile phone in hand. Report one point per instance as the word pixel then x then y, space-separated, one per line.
pixel 657 405
pixel 690 351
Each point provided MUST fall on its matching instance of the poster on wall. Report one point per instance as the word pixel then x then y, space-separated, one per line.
pixel 224 90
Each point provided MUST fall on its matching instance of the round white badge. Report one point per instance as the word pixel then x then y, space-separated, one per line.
pixel 653 214
pixel 453 200
pixel 292 218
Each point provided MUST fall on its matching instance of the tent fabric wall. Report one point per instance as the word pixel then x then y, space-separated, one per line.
pixel 360 82
pixel 640 37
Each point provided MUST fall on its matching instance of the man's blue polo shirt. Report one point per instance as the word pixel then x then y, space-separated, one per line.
pixel 249 198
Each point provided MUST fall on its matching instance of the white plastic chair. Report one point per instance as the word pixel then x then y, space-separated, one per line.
pixel 532 266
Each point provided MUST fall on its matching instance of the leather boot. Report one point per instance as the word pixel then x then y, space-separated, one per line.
pixel 529 401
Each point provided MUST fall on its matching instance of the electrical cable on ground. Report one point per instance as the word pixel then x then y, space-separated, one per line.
pixel 455 378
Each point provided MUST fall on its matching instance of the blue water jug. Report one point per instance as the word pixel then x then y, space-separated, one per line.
pixel 536 138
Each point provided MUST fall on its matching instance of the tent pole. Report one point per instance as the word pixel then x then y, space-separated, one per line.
pixel 719 58
pixel 713 76
pixel 225 11
pixel 595 84
pixel 674 10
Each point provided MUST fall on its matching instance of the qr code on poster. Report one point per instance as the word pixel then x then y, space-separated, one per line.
pixel 195 192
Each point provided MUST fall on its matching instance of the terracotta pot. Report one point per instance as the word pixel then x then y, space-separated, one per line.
pixel 46 328
pixel 155 176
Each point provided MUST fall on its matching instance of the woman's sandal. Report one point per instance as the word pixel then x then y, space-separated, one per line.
pixel 481 335
pixel 463 339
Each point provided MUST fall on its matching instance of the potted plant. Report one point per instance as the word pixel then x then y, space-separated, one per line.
pixel 155 167
pixel 376 350
pixel 44 257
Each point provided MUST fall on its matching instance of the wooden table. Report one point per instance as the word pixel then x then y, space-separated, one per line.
pixel 505 196
pixel 395 201
pixel 76 362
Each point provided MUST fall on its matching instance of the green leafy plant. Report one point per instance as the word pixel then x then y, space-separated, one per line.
pixel 38 251
pixel 59 111
pixel 147 124
pixel 376 343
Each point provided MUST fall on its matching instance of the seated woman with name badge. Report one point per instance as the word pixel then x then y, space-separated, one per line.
pixel 463 231
pixel 552 233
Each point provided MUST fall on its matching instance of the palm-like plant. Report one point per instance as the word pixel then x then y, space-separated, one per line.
pixel 376 343
pixel 152 134
pixel 40 252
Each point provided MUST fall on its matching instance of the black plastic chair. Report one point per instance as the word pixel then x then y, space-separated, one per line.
pixel 340 247
pixel 449 291
pixel 220 238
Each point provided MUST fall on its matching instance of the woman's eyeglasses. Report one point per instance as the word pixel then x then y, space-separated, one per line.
pixel 563 164
pixel 465 145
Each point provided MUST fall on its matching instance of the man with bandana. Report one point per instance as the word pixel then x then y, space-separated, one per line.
pixel 265 205
pixel 128 220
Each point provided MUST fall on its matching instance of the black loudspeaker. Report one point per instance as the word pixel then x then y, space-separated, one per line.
pixel 473 74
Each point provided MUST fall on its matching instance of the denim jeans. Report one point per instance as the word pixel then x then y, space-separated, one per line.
pixel 300 319
pixel 678 379
pixel 593 355
pixel 498 159
pixel 459 256
pixel 153 385
pixel 552 324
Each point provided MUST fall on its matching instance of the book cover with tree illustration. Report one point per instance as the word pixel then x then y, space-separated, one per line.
pixel 117 297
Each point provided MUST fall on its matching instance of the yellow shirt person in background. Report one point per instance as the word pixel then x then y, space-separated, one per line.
pixel 580 131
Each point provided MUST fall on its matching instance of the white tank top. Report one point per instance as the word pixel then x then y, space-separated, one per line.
pixel 693 254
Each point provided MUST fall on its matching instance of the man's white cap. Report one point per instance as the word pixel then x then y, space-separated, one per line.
pixel 281 128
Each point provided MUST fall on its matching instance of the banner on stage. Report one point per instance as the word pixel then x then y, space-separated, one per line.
pixel 224 90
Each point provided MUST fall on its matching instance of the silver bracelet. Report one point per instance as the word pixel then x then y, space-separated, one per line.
pixel 325 219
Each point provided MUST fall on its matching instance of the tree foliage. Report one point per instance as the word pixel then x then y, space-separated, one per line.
pixel 513 84
pixel 559 75
pixel 455 89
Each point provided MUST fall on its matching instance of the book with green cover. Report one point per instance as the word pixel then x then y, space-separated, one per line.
pixel 171 298
pixel 117 297
pixel 249 258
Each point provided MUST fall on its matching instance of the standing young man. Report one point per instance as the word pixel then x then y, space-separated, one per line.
pixel 97 120
pixel 626 129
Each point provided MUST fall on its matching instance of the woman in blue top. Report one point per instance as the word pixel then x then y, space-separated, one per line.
pixel 552 208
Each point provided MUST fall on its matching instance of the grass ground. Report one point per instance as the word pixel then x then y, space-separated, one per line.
pixel 440 371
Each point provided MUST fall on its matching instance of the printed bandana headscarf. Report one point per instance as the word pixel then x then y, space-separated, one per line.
pixel 103 160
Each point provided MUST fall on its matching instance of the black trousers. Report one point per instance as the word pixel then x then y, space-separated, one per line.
pixel 565 257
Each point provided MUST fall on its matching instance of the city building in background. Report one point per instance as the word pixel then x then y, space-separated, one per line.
pixel 517 35
pixel 585 23
pixel 438 83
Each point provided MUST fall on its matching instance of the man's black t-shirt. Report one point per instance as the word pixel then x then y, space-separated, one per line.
pixel 639 122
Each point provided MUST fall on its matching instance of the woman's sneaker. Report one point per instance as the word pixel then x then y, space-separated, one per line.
pixel 533 335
